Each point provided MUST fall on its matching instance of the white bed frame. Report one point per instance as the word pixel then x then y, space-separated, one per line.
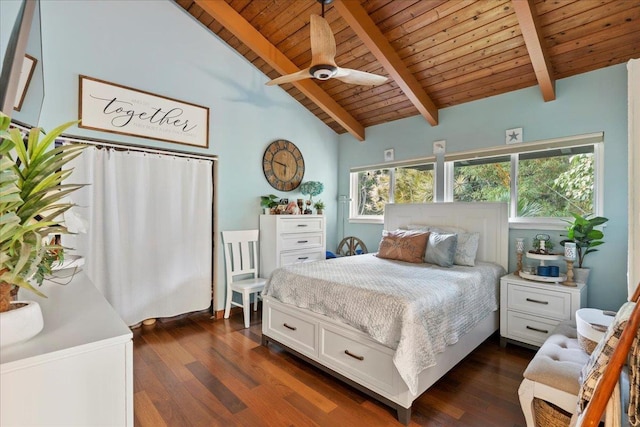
pixel 351 355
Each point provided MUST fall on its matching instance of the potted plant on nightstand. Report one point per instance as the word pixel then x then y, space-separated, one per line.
pixel 31 190
pixel 582 232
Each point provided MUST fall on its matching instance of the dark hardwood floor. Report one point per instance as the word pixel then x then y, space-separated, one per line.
pixel 199 372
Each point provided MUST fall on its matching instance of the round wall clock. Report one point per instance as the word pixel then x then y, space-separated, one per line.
pixel 283 165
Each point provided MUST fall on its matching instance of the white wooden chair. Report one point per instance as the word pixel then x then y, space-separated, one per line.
pixel 241 262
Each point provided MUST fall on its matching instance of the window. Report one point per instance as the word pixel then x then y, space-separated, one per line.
pixel 555 183
pixel 543 181
pixel 374 188
pixel 413 184
pixel 483 180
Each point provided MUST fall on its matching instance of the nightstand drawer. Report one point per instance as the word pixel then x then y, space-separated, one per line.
pixel 302 225
pixel 529 329
pixel 540 302
pixel 301 241
pixel 288 258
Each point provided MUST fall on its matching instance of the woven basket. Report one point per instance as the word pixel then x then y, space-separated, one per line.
pixel 549 415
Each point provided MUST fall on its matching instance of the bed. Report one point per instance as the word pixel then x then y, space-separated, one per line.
pixel 382 342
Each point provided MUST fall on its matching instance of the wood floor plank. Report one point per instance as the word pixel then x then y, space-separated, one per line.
pixel 145 412
pixel 213 384
pixel 198 371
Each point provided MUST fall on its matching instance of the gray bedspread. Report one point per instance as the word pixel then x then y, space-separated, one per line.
pixel 415 309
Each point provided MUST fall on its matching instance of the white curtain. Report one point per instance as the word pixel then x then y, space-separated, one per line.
pixel 148 245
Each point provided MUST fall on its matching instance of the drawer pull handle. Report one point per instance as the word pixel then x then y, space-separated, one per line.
pixel 303 257
pixel 303 241
pixel 538 301
pixel 355 356
pixel 293 328
pixel 302 225
pixel 537 330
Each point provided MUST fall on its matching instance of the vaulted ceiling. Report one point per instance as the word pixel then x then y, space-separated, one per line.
pixel 436 53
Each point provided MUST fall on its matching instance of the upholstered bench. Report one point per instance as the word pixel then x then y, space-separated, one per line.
pixel 553 376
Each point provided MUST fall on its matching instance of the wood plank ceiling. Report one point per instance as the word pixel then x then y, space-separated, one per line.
pixel 436 53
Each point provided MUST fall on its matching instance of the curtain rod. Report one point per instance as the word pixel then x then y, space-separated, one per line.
pixel 130 147
pixel 139 148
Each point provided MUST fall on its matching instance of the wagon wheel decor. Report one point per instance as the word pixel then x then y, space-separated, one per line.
pixel 351 246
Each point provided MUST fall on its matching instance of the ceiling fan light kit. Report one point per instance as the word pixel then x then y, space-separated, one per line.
pixel 323 72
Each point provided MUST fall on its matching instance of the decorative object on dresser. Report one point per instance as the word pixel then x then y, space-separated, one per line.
pixel 289 239
pixel 241 268
pixel 319 205
pixel 32 207
pixel 311 188
pixel 530 310
pixel 268 203
pixel 283 165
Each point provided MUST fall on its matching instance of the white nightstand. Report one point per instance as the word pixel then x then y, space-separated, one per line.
pixel 529 310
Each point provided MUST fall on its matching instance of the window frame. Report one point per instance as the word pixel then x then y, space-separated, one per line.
pixel 513 150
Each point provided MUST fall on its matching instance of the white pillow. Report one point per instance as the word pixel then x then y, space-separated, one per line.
pixel 467 249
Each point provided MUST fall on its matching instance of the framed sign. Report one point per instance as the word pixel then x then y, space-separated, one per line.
pixel 114 108
pixel 26 72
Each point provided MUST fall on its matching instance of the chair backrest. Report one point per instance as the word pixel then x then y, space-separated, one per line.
pixel 603 391
pixel 240 253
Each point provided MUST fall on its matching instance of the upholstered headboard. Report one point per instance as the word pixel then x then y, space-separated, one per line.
pixel 489 219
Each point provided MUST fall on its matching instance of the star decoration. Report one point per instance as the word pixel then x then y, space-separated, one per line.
pixel 513 136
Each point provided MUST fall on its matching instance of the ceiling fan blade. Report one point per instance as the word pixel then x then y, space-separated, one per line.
pixel 323 44
pixel 288 78
pixel 356 77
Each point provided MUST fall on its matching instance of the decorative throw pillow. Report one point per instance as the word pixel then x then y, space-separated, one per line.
pixel 593 370
pixel 403 245
pixel 441 249
pixel 467 249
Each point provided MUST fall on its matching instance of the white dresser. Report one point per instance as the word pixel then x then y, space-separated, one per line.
pixel 78 371
pixel 529 311
pixel 290 239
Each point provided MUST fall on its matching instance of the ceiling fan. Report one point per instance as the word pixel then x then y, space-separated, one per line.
pixel 323 65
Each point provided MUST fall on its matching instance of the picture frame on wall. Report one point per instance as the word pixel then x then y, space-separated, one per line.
pixel 114 108
pixel 26 73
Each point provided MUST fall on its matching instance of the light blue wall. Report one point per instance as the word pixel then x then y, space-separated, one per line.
pixel 591 102
pixel 155 46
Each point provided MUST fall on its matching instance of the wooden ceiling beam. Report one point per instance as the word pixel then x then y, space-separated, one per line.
pixel 364 27
pixel 530 27
pixel 247 34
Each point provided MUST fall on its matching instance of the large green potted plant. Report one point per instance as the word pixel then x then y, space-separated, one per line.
pixel 581 231
pixel 31 191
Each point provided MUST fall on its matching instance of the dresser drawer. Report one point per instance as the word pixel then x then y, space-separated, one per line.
pixel 288 258
pixel 301 225
pixel 290 329
pixel 356 358
pixel 301 241
pixel 540 302
pixel 530 329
